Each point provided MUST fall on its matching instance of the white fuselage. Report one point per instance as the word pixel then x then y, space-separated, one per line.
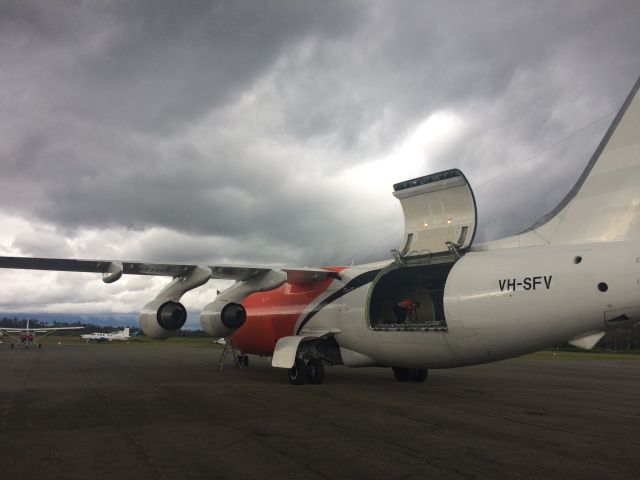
pixel 498 304
pixel 124 335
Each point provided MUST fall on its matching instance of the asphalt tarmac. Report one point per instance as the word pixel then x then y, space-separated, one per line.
pixel 161 412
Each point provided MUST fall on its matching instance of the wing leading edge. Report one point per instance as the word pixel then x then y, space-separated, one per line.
pixel 112 270
pixel 38 330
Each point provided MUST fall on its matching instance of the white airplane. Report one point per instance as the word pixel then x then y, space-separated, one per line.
pixel 442 301
pixel 28 336
pixel 106 337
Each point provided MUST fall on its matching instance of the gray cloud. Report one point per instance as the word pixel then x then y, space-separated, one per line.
pixel 227 131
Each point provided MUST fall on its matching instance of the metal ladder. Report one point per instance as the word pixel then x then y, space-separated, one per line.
pixel 236 360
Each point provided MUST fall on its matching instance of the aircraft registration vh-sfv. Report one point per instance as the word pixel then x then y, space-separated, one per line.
pixel 441 301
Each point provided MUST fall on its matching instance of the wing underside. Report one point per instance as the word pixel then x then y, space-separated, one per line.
pixel 38 330
pixel 111 267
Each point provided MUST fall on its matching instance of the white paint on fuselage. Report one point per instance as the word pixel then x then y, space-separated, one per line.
pixel 487 317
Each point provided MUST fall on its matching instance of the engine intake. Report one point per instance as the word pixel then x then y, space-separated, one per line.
pixel 221 318
pixel 161 318
pixel 172 315
pixel 233 316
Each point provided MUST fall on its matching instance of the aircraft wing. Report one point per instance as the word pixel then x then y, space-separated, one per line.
pixel 52 329
pixel 37 330
pixel 112 269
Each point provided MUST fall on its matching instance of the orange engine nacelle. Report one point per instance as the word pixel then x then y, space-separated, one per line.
pixel 272 315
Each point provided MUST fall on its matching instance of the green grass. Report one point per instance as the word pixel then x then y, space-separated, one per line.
pixel 52 340
pixel 175 341
pixel 562 355
pixel 205 342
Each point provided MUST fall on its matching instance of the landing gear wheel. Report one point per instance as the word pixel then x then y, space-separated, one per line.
pixel 402 374
pixel 419 374
pixel 243 361
pixel 39 345
pixel 298 373
pixel 315 371
pixel 12 345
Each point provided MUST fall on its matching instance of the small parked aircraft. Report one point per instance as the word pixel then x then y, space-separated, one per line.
pixel 106 337
pixel 442 301
pixel 28 336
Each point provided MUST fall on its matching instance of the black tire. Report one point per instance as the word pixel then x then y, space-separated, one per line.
pixel 39 345
pixel 402 374
pixel 243 361
pixel 298 373
pixel 315 371
pixel 419 375
pixel 12 345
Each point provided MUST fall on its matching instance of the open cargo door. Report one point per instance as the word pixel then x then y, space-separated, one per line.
pixel 439 216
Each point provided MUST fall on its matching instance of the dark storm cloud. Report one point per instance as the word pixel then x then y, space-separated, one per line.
pixel 231 122
pixel 152 66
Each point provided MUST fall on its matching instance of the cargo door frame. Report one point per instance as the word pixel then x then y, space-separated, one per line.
pixel 440 219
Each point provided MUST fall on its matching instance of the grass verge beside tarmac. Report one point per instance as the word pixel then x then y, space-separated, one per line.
pixel 206 342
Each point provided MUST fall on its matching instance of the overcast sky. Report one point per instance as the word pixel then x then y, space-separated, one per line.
pixel 272 132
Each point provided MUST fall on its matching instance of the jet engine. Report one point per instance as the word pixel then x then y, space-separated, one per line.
pixel 162 318
pixel 165 315
pixel 225 314
pixel 221 318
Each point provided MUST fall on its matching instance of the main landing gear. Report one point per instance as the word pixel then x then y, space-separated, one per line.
pixel 312 371
pixel 403 374
pixel 242 361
